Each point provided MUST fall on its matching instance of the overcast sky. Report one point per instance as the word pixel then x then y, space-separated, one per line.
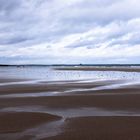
pixel 69 31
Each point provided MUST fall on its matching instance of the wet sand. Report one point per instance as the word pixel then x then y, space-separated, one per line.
pixel 12 122
pixel 94 68
pixel 50 86
pixel 7 80
pixel 94 109
pixel 100 128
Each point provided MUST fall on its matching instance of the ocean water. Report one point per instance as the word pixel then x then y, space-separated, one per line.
pixel 47 73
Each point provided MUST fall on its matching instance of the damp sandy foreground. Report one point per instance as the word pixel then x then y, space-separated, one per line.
pixel 85 105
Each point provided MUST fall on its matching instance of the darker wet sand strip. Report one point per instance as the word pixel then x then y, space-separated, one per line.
pixel 18 121
pixel 8 80
pixel 130 102
pixel 92 68
pixel 100 128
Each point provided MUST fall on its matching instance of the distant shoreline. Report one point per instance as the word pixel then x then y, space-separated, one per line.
pixel 83 65
pixel 100 67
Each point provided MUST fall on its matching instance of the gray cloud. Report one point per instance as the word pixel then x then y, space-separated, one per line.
pixel 55 29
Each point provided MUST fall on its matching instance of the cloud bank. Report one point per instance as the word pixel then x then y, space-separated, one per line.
pixel 69 31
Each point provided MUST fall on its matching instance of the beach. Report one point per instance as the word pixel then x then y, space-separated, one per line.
pixel 69 103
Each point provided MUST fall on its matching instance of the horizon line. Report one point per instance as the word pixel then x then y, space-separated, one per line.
pixel 70 64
